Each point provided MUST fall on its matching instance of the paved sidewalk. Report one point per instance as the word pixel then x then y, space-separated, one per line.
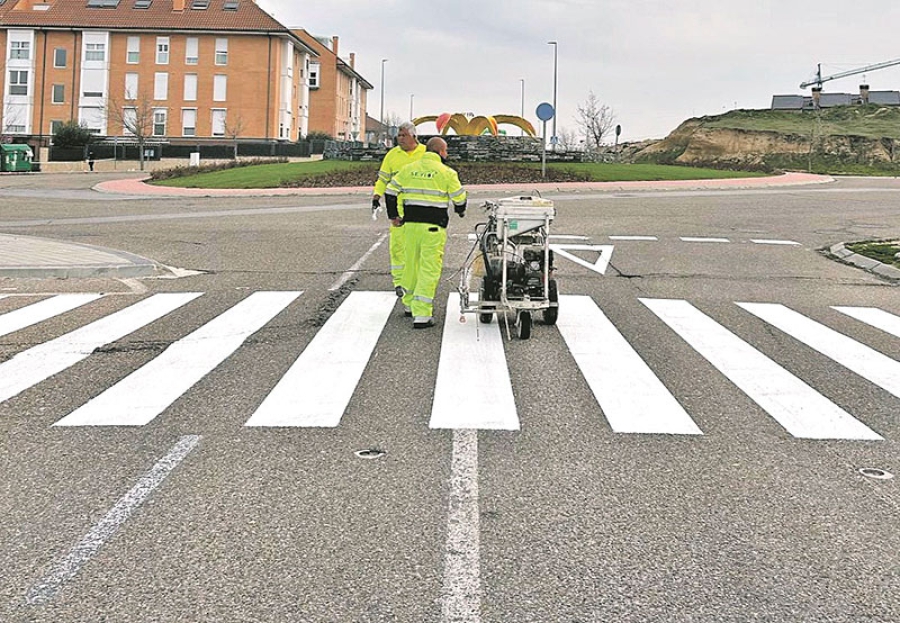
pixel 31 257
pixel 136 186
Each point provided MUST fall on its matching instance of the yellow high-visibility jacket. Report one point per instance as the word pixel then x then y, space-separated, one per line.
pixel 393 161
pixel 422 192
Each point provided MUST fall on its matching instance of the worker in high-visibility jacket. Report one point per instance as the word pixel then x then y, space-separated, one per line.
pixel 408 150
pixel 423 192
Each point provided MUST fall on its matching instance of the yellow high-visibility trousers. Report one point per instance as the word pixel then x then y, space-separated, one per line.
pixel 424 262
pixel 398 255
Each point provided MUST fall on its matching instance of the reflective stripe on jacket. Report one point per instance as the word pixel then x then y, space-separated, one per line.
pixel 393 161
pixel 423 190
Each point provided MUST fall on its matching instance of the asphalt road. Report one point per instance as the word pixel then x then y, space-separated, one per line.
pixel 194 516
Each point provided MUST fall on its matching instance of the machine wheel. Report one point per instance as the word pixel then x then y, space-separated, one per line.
pixel 485 317
pixel 552 313
pixel 523 326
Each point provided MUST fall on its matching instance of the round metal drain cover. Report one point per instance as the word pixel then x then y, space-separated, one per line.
pixel 369 454
pixel 876 473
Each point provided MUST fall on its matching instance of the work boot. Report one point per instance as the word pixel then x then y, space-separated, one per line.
pixel 423 322
pixel 407 312
pixel 398 290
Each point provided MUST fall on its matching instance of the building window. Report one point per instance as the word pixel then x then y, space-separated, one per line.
pixel 189 122
pixel 161 86
pixel 162 50
pixel 19 50
pixel 18 82
pixel 59 94
pixel 313 75
pixel 131 86
pixel 221 51
pixel 55 125
pixel 218 122
pixel 60 57
pixel 133 56
pixel 159 123
pixel 220 88
pixel 191 54
pixel 95 52
pixel 190 87
pixel 129 121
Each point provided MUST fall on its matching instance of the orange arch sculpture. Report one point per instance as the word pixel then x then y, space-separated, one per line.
pixel 476 126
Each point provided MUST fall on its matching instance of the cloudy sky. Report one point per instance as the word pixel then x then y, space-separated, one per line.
pixel 654 63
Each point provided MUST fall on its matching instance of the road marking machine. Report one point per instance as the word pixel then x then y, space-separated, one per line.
pixel 510 266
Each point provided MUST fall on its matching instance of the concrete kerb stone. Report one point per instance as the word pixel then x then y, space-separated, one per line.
pixel 843 254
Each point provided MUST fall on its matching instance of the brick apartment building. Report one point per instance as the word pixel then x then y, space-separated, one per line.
pixel 201 69
pixel 338 94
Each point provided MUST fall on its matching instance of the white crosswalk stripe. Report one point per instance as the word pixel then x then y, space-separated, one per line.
pixel 632 397
pixel 859 358
pixel 144 394
pixel 473 388
pixel 44 360
pixel 317 388
pixel 800 409
pixel 878 318
pixel 29 315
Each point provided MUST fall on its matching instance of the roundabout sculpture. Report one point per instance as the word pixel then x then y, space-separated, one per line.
pixel 465 125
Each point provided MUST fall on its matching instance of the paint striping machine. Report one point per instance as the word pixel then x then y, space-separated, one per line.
pixel 511 265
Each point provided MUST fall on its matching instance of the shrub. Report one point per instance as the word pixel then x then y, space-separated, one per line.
pixel 72 134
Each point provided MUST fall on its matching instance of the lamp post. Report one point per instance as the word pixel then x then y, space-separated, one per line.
pixel 555 115
pixel 411 96
pixel 522 114
pixel 381 117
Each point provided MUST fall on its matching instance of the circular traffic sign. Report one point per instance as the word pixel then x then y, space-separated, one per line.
pixel 545 111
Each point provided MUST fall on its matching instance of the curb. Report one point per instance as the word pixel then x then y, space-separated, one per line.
pixel 847 256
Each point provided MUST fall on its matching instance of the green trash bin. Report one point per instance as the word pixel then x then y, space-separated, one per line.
pixel 15 158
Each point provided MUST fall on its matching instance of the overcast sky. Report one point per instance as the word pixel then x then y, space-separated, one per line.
pixel 654 63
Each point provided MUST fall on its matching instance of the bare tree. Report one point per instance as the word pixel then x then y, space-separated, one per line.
pixel 596 120
pixel 233 129
pixel 566 139
pixel 136 118
pixel 12 116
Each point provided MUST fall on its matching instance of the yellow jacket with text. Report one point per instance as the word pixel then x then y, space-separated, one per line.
pixel 422 191
pixel 393 161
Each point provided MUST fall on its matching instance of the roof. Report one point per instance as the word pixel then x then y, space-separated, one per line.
pixel 11 147
pixel 787 102
pixel 884 97
pixel 321 47
pixel 122 15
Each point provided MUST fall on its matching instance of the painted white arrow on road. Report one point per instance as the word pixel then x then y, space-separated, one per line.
pixel 605 251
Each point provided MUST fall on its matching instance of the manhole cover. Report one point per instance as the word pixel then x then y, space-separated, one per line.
pixel 878 474
pixel 369 454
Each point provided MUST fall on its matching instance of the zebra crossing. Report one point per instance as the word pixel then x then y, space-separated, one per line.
pixel 473 387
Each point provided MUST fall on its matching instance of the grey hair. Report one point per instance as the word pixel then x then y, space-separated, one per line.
pixel 409 126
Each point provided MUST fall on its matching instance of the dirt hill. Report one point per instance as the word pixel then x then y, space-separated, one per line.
pixel 832 139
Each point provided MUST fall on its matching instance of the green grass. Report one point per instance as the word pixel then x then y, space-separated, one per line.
pixel 869 121
pixel 879 250
pixel 363 174
pixel 264 175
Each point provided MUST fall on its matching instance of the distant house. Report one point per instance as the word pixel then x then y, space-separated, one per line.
pixel 338 94
pixel 830 100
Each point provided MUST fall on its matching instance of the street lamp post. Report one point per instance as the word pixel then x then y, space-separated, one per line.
pixel 411 96
pixel 381 118
pixel 555 114
pixel 522 114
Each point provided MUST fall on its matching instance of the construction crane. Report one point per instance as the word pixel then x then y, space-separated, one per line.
pixel 819 79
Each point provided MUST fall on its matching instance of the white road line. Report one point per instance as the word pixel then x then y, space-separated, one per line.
pixel 317 388
pixel 783 242
pixel 353 269
pixel 859 358
pixel 148 391
pixel 44 360
pixel 801 410
pixel 473 389
pixel 42 310
pixel 632 397
pixel 461 595
pixel 647 238
pixel 693 239
pixel 889 323
pixel 45 590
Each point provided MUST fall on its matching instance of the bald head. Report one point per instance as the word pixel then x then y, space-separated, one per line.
pixel 437 145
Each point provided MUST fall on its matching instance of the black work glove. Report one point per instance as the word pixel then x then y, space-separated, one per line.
pixel 376 203
pixel 460 210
